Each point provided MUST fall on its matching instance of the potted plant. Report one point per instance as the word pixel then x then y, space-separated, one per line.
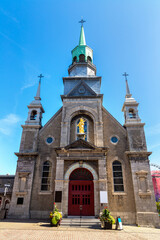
pixel 158 206
pixel 106 219
pixel 55 217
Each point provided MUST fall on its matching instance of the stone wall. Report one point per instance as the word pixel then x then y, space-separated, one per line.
pixel 120 203
pixel 42 201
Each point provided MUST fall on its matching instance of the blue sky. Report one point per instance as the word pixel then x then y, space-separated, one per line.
pixel 37 36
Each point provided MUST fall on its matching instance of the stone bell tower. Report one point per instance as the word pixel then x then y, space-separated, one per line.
pixel 139 162
pixel 81 99
pixel 82 91
pixel 27 154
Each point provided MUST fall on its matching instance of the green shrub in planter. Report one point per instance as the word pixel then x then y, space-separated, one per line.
pixel 106 219
pixel 55 216
pixel 158 207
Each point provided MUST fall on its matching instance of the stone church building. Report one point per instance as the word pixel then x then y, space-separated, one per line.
pixel 82 172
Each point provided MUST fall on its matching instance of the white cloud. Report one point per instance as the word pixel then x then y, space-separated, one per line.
pixel 8 123
pixel 31 75
pixel 12 41
pixel 154 146
pixel 153 130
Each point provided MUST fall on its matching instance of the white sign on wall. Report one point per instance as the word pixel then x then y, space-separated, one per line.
pixel 103 197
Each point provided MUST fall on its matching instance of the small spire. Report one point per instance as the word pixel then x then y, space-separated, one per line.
pixel 82 40
pixel 37 97
pixel 128 94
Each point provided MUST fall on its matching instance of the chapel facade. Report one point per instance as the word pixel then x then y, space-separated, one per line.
pixel 83 159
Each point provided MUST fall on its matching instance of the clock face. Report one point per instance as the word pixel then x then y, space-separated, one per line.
pixel 81 90
pixel 114 139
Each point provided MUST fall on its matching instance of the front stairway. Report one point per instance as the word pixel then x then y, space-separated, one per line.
pixel 81 222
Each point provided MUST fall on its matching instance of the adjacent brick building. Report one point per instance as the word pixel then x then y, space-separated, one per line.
pixel 6 187
pixel 83 171
pixel 156 184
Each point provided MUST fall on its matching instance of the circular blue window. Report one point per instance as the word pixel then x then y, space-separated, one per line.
pixel 114 139
pixel 49 140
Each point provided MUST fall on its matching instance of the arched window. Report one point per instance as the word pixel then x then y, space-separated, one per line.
pixel 85 128
pixel 117 176
pixel 46 176
pixel 75 59
pixel 81 58
pixel 132 113
pixel 33 115
pixel 89 59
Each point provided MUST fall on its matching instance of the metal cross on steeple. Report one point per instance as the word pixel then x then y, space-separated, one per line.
pixel 128 94
pixel 40 76
pixel 125 75
pixel 82 21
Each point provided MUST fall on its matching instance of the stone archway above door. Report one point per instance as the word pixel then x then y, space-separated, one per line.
pixel 79 165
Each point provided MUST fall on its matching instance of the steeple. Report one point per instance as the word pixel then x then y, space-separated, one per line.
pixel 130 106
pixel 35 108
pixel 82 57
pixel 128 94
pixel 37 97
pixel 82 40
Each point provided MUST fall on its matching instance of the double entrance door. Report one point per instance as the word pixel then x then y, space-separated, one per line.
pixel 81 198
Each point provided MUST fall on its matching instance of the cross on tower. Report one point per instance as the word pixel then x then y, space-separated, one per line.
pixel 125 75
pixel 82 21
pixel 40 76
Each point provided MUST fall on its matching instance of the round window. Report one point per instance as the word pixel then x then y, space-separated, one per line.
pixel 114 139
pixel 49 140
pixel 81 89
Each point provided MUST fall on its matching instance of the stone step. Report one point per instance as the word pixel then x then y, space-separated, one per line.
pixel 90 222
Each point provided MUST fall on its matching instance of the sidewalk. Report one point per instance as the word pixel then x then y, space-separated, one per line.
pixel 35 230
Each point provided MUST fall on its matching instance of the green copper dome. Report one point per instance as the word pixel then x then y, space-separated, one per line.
pixel 82 53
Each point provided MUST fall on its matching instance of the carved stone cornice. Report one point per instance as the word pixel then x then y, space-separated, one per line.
pixel 138 156
pixel 21 154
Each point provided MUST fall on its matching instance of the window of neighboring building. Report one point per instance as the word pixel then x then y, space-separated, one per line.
pixel 7 202
pixel 20 201
pixel 117 176
pixel 46 176
pixel 132 113
pixel 85 128
pixel 33 115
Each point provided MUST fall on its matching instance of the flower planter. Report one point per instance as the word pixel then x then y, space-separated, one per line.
pixel 55 217
pixel 52 224
pixel 106 219
pixel 107 225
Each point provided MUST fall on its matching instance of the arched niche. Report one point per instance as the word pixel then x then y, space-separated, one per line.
pixel 89 127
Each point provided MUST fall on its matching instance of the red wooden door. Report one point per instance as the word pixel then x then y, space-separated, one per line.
pixel 81 198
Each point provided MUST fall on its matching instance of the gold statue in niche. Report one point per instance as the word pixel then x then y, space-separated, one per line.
pixel 81 125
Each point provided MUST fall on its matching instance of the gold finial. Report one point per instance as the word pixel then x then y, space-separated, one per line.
pixel 81 125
